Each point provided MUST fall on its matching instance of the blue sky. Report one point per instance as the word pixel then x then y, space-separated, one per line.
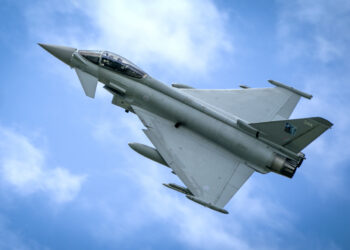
pixel 68 179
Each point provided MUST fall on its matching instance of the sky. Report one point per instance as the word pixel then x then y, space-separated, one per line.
pixel 68 179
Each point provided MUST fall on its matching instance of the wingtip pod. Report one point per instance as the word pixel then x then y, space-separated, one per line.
pixel 298 92
pixel 206 204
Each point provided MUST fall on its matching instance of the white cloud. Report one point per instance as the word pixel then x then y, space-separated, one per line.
pixel 172 35
pixel 23 168
pixel 110 131
pixel 185 34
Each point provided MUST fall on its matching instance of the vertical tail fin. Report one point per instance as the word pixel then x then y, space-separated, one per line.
pixel 294 134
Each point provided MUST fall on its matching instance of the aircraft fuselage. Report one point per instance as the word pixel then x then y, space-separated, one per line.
pixel 169 103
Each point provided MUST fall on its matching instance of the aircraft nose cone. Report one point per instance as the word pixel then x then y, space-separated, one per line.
pixel 61 52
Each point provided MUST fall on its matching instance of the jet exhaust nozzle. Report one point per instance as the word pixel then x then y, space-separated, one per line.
pixel 285 166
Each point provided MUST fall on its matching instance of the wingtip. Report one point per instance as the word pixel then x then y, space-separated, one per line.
pixel 296 91
pixel 323 121
pixel 206 204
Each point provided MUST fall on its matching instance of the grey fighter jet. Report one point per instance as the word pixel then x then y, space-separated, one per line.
pixel 212 139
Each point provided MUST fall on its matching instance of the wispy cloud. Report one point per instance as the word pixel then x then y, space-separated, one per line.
pixel 328 157
pixel 24 169
pixel 185 34
pixel 171 35
pixel 316 32
pixel 314 29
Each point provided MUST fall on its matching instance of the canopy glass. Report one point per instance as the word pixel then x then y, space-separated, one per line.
pixel 113 62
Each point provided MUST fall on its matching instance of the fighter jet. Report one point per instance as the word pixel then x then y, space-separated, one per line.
pixel 212 139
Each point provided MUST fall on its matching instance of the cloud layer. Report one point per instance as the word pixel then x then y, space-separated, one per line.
pixel 23 168
pixel 310 29
pixel 172 35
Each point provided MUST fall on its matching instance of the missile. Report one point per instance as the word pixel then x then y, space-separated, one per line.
pixel 181 86
pixel 206 204
pixel 148 152
pixel 244 86
pixel 298 92
pixel 178 188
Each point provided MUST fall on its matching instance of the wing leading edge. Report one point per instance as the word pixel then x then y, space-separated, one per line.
pixel 252 104
pixel 211 173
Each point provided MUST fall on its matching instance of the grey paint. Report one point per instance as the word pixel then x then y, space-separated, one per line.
pixel 212 139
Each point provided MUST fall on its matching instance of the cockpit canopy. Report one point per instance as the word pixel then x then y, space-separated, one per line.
pixel 113 62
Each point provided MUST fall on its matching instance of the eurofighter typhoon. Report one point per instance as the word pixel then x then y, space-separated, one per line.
pixel 212 139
